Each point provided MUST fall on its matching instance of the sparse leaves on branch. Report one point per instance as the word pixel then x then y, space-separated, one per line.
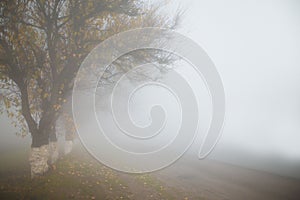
pixel 43 42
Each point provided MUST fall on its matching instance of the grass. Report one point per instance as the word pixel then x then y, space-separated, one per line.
pixel 73 177
pixel 76 176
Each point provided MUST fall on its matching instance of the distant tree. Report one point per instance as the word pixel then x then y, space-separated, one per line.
pixel 42 44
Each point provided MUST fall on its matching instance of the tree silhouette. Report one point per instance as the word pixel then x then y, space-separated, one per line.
pixel 43 42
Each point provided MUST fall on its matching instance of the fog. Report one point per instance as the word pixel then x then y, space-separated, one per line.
pixel 255 46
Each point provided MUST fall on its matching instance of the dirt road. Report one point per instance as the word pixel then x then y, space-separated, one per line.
pixel 213 180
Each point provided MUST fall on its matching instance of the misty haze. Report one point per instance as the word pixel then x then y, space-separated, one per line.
pixel 78 123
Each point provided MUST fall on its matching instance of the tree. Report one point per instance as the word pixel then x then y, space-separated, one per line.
pixel 43 42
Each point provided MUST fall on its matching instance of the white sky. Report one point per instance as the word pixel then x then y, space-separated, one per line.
pixel 256 47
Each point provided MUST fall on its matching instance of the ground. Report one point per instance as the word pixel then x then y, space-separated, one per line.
pixel 78 176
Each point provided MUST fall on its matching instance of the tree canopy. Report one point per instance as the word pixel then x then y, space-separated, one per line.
pixel 42 44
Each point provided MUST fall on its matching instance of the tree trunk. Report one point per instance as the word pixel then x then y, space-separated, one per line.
pixel 53 145
pixel 40 138
pixel 69 137
pixel 68 146
pixel 39 154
